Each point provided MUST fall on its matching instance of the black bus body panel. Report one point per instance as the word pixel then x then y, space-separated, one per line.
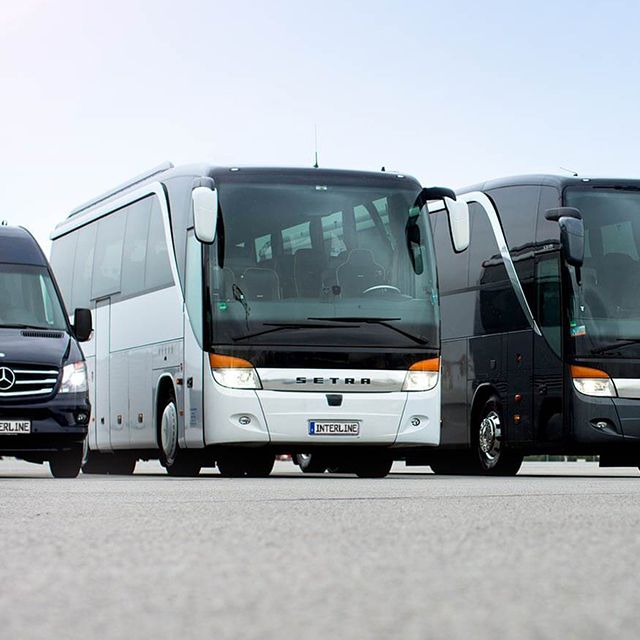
pixel 498 355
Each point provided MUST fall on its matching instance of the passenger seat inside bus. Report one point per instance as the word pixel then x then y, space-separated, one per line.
pixel 359 273
pixel 260 284
pixel 308 266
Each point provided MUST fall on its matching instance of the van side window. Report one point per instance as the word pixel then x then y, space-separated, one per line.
pixel 63 252
pixel 83 267
pixel 157 269
pixel 135 247
pixel 108 255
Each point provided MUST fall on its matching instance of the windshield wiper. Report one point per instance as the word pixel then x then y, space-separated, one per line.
pixel 620 342
pixel 281 326
pixel 27 326
pixel 381 321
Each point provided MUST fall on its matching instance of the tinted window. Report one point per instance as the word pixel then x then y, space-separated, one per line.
pixel 63 253
pixel 135 247
pixel 518 209
pixel 83 267
pixel 108 255
pixel 452 267
pixel 549 308
pixel 485 263
pixel 158 269
pixel 547 232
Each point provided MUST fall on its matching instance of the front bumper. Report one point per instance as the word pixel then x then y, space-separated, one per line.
pixel 58 424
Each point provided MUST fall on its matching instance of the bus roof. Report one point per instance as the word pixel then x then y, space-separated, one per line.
pixel 549 180
pixel 167 170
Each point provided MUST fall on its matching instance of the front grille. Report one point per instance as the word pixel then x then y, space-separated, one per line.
pixel 23 381
pixel 34 333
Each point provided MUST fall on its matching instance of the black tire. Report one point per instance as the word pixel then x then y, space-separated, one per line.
pixel 310 462
pixel 66 464
pixel 493 457
pixel 373 466
pixel 177 462
pixel 455 463
pixel 245 463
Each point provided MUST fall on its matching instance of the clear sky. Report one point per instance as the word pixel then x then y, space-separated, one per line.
pixel 92 93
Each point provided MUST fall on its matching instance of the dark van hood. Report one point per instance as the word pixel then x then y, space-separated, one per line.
pixel 25 346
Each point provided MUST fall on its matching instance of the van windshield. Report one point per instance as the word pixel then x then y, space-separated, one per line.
pixel 29 299
pixel 323 261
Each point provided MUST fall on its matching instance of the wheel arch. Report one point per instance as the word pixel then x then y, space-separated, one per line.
pixel 482 393
pixel 165 388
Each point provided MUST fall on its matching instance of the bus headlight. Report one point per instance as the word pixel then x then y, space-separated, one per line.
pixel 234 373
pixel 74 378
pixel 593 382
pixel 422 376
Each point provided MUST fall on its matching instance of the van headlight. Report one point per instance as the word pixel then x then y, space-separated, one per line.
pixel 422 376
pixel 74 378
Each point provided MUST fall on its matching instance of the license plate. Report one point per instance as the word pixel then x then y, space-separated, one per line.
pixel 334 428
pixel 14 427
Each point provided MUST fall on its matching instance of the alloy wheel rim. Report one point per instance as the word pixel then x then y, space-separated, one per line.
pixel 169 432
pixel 490 438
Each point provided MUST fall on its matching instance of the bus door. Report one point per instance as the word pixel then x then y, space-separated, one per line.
pixel 102 366
pixel 194 354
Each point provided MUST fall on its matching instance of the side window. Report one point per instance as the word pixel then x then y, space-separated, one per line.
pixel 518 209
pixel 296 237
pixel 63 252
pixel 548 303
pixel 264 250
pixel 108 255
pixel 157 268
pixel 83 267
pixel 547 231
pixel 452 267
pixel 135 247
pixel 333 234
pixel 485 262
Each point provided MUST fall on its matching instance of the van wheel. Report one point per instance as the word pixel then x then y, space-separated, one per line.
pixel 176 461
pixel 66 464
pixel 310 462
pixel 245 464
pixel 373 466
pixel 494 458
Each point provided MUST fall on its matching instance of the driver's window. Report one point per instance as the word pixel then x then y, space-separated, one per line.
pixel 548 299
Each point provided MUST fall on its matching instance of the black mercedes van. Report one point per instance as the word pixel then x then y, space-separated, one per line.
pixel 44 397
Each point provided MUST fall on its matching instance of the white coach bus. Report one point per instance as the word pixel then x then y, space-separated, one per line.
pixel 244 312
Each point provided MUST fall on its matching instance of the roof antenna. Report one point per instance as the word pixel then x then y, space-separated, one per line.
pixel 315 126
pixel 571 171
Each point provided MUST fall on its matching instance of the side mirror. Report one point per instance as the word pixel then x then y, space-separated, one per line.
pixel 458 212
pixel 562 212
pixel 205 213
pixel 82 324
pixel 572 239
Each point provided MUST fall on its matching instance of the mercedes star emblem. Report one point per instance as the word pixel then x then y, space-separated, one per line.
pixel 7 378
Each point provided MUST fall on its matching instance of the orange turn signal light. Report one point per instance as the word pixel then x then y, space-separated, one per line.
pixel 432 364
pixel 228 362
pixel 587 372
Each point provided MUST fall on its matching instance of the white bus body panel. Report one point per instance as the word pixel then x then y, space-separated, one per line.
pixel 395 418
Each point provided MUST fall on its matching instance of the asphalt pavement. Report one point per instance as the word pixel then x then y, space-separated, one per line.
pixel 551 553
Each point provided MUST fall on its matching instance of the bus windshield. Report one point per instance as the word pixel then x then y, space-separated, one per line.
pixel 323 260
pixel 606 307
pixel 29 299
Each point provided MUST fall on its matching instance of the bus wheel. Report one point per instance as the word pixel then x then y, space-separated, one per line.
pixel 66 464
pixel 373 466
pixel 494 458
pixel 310 462
pixel 175 460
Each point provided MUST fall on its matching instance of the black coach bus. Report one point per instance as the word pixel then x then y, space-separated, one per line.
pixel 540 325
